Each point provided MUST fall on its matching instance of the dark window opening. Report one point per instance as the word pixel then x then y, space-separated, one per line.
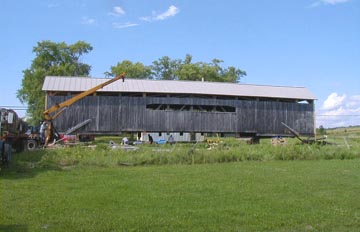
pixel 179 95
pixel 156 107
pixel 131 94
pixel 156 95
pixel 193 108
pixel 152 106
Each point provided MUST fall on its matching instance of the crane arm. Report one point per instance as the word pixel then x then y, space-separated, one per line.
pixel 76 98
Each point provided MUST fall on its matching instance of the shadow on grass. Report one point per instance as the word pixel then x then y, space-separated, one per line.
pixel 26 165
pixel 12 228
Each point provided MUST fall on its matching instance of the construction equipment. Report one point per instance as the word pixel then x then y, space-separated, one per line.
pixel 320 141
pixel 53 112
pixel 13 134
pixel 16 134
pixel 77 127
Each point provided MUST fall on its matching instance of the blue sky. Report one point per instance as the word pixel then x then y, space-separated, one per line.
pixel 311 43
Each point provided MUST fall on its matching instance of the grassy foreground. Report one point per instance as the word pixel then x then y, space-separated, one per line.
pixel 100 154
pixel 312 195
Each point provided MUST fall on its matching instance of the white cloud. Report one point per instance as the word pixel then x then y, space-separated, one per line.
pixel 339 110
pixel 333 101
pixel 333 2
pixel 87 21
pixel 328 2
pixel 124 25
pixel 117 11
pixel 146 18
pixel 170 12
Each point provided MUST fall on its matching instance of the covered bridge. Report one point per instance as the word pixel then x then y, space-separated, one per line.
pixel 182 106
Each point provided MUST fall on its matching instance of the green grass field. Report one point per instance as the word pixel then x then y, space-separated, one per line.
pixel 232 187
pixel 249 196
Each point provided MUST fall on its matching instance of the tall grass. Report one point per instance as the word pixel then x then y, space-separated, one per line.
pixel 229 150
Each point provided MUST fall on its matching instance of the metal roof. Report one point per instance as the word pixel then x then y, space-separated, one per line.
pixel 79 84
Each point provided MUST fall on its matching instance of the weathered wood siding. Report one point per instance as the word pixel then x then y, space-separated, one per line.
pixel 114 114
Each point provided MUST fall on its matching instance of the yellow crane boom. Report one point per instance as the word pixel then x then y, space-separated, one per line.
pixel 49 131
pixel 47 113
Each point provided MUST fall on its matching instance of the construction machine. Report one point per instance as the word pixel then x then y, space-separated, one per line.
pixel 48 131
pixel 15 134
pixel 12 133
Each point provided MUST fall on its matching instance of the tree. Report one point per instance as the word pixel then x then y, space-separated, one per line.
pixel 132 70
pixel 165 68
pixel 209 71
pixel 189 72
pixel 322 130
pixel 51 59
pixel 232 74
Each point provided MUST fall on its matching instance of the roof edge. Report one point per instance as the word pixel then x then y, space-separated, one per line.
pixel 184 81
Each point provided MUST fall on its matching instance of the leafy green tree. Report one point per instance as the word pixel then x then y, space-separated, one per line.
pixel 209 71
pixel 132 70
pixel 165 68
pixel 232 74
pixel 322 130
pixel 51 59
pixel 189 72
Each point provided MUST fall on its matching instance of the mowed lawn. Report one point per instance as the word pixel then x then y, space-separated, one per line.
pixel 320 195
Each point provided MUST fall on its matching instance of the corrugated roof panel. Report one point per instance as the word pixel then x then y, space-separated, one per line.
pixel 88 84
pixel 67 84
pixel 79 84
pixel 46 83
pixel 55 84
pixel 93 83
pixel 62 84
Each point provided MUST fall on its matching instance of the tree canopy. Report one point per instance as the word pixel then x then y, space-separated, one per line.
pixel 166 68
pixel 51 59
pixel 209 71
pixel 132 70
